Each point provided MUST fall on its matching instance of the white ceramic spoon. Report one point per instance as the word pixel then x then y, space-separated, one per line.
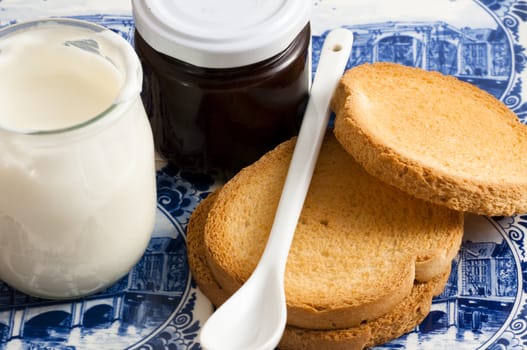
pixel 254 318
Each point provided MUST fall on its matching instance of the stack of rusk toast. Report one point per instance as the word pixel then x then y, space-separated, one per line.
pixel 410 152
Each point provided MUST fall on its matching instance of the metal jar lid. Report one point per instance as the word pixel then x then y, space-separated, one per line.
pixel 220 34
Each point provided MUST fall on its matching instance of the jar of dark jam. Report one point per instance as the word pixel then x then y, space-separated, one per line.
pixel 226 81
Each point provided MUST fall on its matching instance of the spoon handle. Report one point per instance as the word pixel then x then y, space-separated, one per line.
pixel 333 59
pixel 255 316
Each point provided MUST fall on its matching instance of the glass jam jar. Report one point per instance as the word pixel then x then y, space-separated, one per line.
pixel 77 176
pixel 226 81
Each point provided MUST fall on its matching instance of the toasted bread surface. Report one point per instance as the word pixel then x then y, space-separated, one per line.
pixel 434 137
pixel 401 319
pixel 196 251
pixel 358 248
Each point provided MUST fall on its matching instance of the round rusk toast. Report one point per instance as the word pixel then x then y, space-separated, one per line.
pixel 358 247
pixel 434 137
pixel 402 318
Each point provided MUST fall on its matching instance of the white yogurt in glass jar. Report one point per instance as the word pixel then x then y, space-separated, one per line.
pixel 77 178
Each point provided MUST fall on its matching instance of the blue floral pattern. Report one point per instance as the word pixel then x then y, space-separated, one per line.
pixel 181 190
pixel 432 46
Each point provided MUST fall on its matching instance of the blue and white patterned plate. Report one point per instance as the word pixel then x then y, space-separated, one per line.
pixel 157 306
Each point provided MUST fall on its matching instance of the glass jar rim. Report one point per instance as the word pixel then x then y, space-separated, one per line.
pixel 132 79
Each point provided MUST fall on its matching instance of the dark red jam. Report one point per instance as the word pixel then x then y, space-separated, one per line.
pixel 224 118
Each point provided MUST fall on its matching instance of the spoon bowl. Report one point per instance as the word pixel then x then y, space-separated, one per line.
pixel 259 300
pixel 254 318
